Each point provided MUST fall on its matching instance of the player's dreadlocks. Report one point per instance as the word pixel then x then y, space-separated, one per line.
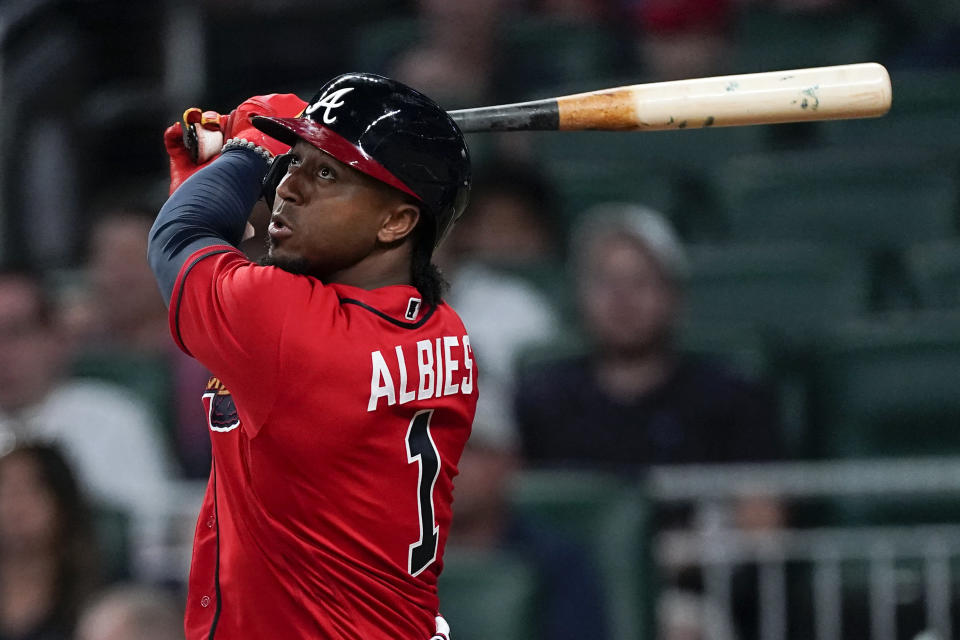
pixel 424 275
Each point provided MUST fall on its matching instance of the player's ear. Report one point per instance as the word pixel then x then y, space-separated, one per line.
pixel 399 222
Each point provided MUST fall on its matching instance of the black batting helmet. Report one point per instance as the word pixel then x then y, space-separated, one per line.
pixel 388 131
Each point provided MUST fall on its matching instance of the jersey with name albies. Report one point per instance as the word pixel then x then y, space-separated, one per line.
pixel 337 416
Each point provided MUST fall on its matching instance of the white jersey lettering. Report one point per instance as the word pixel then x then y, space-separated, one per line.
pixel 435 374
pixel 466 383
pixel 381 383
pixel 449 388
pixel 425 364
pixel 438 390
pixel 405 396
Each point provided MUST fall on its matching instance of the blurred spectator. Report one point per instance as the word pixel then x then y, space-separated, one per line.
pixel 633 398
pixel 107 434
pixel 512 218
pixel 124 308
pixel 130 611
pixel 575 9
pixel 122 329
pixel 455 60
pixel 48 560
pixel 571 604
pixel 679 39
pixel 689 616
pixel 508 234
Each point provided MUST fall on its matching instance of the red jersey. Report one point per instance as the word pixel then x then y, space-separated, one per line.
pixel 338 416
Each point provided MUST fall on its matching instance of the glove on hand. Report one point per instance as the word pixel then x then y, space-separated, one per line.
pixel 192 143
pixel 281 105
pixel 198 138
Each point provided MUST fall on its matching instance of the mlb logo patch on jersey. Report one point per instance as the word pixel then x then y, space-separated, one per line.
pixel 413 309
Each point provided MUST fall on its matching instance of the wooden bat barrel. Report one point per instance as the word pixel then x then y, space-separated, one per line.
pixel 798 95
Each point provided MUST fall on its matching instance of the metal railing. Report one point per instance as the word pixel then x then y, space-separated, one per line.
pixel 718 549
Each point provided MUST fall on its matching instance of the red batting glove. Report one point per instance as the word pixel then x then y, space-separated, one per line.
pixel 205 134
pixel 280 105
pixel 210 131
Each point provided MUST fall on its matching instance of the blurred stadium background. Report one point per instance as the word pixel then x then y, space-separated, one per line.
pixel 826 258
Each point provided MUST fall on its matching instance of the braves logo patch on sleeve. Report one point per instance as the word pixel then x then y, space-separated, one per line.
pixel 218 403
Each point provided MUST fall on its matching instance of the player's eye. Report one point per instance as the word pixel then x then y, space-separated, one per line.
pixel 294 162
pixel 326 173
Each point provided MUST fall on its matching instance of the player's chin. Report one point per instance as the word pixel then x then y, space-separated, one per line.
pixel 276 257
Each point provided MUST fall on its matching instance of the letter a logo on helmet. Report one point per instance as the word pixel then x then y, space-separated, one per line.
pixel 330 102
pixel 388 131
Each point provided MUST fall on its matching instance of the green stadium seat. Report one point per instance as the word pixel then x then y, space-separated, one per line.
pixel 688 150
pixel 582 184
pixel 889 387
pixel 767 39
pixel 886 388
pixel 488 595
pixel 378 43
pixel 111 529
pixel 759 307
pixel 665 170
pixel 935 271
pixel 924 90
pixel 546 51
pixel 928 17
pixel 784 289
pixel 609 517
pixel 852 198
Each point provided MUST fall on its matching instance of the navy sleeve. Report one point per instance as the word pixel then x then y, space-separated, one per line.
pixel 210 208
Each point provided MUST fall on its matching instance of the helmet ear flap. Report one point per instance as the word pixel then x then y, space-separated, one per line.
pixel 274 175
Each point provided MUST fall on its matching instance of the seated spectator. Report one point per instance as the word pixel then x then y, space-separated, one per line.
pixel 121 326
pixel 48 560
pixel 506 234
pixel 572 606
pixel 634 398
pixel 130 611
pixel 682 39
pixel 123 307
pixel 456 59
pixel 107 434
pixel 512 220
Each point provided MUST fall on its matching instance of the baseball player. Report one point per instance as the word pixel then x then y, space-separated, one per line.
pixel 344 387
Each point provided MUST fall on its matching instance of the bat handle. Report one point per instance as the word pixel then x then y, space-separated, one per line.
pixel 202 134
pixel 536 115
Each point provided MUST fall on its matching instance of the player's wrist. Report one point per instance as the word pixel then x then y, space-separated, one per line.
pixel 248 145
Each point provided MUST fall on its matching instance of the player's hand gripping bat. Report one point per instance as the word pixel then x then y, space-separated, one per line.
pixel 820 93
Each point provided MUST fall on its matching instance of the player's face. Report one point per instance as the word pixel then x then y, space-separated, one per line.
pixel 327 216
pixel 628 304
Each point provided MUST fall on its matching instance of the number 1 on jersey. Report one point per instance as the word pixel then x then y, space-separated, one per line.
pixel 422 450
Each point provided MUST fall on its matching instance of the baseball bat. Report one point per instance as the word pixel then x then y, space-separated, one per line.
pixel 772 97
